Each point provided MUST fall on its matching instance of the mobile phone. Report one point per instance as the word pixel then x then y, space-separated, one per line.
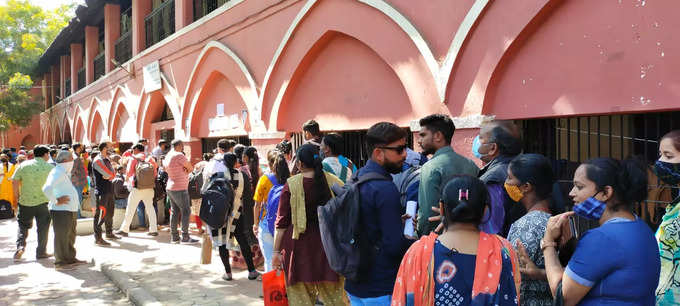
pixel 568 231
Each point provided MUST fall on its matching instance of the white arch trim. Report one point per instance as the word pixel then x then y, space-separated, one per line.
pixel 254 111
pixel 440 73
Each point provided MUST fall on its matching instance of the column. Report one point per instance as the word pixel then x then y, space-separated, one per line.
pixel 54 78
pixel 76 64
pixel 184 13
pixel 46 78
pixel 64 73
pixel 91 49
pixel 194 150
pixel 111 33
pixel 140 8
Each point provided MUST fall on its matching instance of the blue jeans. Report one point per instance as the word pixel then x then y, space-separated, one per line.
pixel 120 203
pixel 266 241
pixel 140 214
pixel 80 200
pixel 374 301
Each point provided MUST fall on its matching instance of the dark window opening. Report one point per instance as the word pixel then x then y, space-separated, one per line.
pixel 209 144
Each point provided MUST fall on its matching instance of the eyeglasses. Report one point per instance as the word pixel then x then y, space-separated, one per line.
pixel 398 149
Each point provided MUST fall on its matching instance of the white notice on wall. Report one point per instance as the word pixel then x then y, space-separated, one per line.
pixel 220 110
pixel 152 77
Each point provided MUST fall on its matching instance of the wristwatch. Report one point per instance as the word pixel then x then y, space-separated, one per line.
pixel 547 244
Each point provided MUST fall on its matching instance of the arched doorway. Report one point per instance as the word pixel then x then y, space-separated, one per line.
pixel 28 141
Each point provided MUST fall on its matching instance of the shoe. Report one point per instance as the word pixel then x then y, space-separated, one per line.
pixel 43 256
pixel 154 234
pixel 175 240
pixel 101 242
pixel 64 267
pixel 253 275
pixel 122 233
pixel 77 261
pixel 189 240
pixel 18 253
pixel 227 277
pixel 111 236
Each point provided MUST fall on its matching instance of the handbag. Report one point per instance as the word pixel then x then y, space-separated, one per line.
pixel 206 249
pixel 274 288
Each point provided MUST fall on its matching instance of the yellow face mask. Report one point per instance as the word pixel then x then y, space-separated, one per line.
pixel 514 192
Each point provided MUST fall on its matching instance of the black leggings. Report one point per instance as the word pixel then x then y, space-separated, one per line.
pixel 243 244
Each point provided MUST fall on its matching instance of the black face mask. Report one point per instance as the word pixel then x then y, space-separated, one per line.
pixel 669 173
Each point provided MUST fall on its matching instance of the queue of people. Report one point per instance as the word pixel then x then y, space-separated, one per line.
pixel 499 235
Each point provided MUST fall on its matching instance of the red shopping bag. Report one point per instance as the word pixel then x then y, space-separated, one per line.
pixel 274 288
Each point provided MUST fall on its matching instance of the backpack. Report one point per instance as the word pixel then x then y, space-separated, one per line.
pixel 339 226
pixel 6 211
pixel 404 180
pixel 195 184
pixel 217 201
pixel 273 203
pixel 144 175
pixel 161 182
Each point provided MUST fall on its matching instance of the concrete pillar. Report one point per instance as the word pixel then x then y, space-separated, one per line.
pixel 76 64
pixel 140 8
pixel 64 73
pixel 184 13
pixel 54 77
pixel 111 33
pixel 91 50
pixel 194 150
pixel 46 77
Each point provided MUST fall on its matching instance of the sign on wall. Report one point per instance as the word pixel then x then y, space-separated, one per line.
pixel 152 77
pixel 228 124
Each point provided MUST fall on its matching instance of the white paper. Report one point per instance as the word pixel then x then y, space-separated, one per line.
pixel 411 211
pixel 220 110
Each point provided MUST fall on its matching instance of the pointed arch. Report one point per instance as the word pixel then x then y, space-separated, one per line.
pixel 121 97
pixel 413 64
pixel 96 119
pixel 234 69
pixel 168 94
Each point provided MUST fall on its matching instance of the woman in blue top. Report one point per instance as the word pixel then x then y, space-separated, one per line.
pixel 616 263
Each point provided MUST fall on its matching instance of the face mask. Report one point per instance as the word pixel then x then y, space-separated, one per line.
pixel 591 208
pixel 513 192
pixel 67 166
pixel 669 173
pixel 475 147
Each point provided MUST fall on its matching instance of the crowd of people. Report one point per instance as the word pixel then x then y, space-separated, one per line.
pixel 499 235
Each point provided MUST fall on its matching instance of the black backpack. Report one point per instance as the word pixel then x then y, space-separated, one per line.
pixel 196 184
pixel 404 180
pixel 339 223
pixel 6 211
pixel 217 201
pixel 160 185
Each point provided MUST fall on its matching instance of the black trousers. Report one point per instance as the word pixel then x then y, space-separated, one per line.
pixel 25 219
pixel 242 243
pixel 104 214
pixel 64 226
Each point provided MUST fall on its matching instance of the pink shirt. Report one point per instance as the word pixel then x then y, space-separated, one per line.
pixel 178 178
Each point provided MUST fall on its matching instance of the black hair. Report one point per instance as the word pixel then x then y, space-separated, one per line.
pixel 138 147
pixel 536 170
pixel 102 146
pixel 176 142
pixel 308 155
pixel 13 149
pixel 253 164
pixel 439 123
pixel 207 156
pixel 335 143
pixel 53 153
pixel 312 127
pixel 382 133
pixel 225 144
pixel 40 150
pixel 285 147
pixel 238 150
pixel 506 142
pixel 162 142
pixel 22 148
pixel 280 167
pixel 628 178
pixel 230 161
pixel 674 136
pixel 464 197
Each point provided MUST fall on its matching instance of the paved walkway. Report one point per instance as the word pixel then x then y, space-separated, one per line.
pixel 170 273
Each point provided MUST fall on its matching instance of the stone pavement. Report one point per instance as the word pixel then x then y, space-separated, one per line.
pixel 170 273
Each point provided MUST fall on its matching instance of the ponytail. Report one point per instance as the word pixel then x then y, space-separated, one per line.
pixel 280 168
pixel 308 155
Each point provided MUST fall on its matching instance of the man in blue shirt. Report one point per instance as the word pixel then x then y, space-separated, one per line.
pixel 381 238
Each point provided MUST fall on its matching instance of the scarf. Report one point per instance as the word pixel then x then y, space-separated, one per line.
pixel 297 201
pixel 669 249
pixel 415 280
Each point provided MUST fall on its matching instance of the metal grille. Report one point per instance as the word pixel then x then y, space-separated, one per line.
pixel 124 47
pixel 126 20
pixel 208 144
pixel 205 7
pixel 81 78
pixel 99 67
pixel 67 87
pixel 160 23
pixel 569 141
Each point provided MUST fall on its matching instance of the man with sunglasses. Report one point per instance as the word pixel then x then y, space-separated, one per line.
pixel 381 239
pixel 436 133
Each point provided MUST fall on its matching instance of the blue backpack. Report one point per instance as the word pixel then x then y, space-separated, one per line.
pixel 272 203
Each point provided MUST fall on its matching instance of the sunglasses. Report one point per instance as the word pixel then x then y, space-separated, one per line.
pixel 398 149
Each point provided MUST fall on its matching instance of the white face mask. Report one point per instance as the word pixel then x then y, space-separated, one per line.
pixel 67 166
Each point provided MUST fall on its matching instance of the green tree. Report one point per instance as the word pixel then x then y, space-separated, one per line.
pixel 26 31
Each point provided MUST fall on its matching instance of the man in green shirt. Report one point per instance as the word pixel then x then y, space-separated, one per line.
pixel 30 178
pixel 436 133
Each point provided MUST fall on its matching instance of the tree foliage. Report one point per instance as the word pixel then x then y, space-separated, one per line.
pixel 26 31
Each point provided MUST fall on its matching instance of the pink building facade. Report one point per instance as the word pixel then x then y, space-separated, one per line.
pixel 259 69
